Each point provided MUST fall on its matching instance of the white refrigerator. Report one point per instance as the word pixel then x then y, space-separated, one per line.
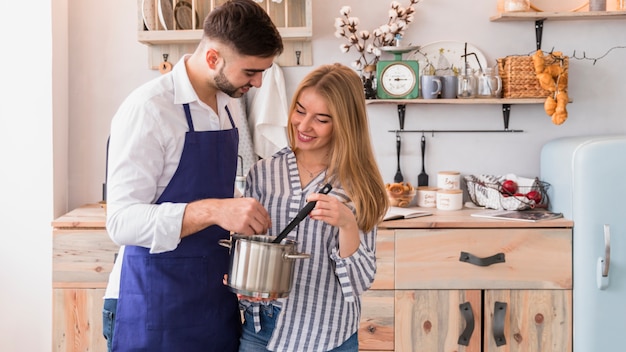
pixel 587 177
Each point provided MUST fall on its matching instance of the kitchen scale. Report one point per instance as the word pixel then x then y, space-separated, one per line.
pixel 397 78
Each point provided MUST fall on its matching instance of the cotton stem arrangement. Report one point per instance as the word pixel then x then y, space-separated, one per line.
pixel 367 44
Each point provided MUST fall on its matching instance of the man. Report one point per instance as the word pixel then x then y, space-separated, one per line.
pixel 172 165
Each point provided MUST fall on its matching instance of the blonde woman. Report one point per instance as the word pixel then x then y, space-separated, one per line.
pixel 329 143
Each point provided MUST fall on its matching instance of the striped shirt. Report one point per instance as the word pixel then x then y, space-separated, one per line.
pixel 323 308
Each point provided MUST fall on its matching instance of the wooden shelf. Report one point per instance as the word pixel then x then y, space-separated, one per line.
pixel 480 101
pixel 558 16
pixel 191 36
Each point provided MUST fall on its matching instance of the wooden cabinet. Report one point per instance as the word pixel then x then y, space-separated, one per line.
pixel 466 284
pixel 159 27
pixel 83 257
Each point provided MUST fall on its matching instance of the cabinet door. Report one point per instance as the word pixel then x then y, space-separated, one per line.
pixel 531 321
pixel 433 320
pixel 376 332
pixel 77 320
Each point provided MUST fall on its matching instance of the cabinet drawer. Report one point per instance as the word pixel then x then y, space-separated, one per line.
pixel 534 258
pixel 82 258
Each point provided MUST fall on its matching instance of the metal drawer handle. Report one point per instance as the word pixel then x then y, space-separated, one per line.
pixel 472 259
pixel 499 316
pixel 468 314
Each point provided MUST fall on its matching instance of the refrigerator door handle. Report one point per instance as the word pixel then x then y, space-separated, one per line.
pixel 604 263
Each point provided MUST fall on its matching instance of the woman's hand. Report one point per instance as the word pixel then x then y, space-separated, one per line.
pixel 334 212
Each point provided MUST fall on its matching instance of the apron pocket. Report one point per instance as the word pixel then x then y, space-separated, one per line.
pixel 179 292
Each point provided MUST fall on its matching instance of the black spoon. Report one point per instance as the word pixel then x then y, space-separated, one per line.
pixel 301 215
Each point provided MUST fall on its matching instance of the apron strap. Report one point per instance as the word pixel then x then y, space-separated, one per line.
pixel 188 117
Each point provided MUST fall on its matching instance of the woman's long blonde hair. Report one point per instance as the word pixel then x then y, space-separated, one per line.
pixel 352 161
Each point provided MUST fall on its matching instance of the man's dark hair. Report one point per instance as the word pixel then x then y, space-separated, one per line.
pixel 246 27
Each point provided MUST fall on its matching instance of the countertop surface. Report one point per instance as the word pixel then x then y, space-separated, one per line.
pixel 89 215
pixel 463 219
pixel 93 216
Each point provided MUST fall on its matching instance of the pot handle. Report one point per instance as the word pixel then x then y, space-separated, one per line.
pixel 298 256
pixel 225 243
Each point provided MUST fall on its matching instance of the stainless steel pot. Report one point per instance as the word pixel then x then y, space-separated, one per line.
pixel 260 268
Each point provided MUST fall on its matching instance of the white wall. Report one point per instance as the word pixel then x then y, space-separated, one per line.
pixel 26 190
pixel 106 62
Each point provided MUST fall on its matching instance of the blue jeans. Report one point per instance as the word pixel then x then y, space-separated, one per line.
pixel 108 320
pixel 252 341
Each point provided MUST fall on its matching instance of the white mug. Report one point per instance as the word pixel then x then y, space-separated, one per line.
pixel 449 180
pixel 450 199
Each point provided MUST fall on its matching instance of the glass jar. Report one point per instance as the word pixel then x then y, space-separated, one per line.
pixel 489 84
pixel 516 5
pixel 466 84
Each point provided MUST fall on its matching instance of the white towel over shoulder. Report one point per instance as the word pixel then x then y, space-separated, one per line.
pixel 267 113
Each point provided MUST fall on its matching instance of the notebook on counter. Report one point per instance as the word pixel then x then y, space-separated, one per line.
pixel 518 215
pixel 395 213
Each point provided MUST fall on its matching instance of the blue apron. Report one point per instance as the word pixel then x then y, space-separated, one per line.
pixel 176 301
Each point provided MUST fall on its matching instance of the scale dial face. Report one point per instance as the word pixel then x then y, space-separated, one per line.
pixel 398 79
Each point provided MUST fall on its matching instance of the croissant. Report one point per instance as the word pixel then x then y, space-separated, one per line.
pixel 554 70
pixel 559 116
pixel 550 105
pixel 538 61
pixel 546 81
pixel 562 98
pixel 560 112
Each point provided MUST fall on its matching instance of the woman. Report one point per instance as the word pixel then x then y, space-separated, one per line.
pixel 328 142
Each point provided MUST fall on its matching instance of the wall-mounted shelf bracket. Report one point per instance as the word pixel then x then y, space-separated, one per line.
pixel 506 111
pixel 506 114
pixel 538 32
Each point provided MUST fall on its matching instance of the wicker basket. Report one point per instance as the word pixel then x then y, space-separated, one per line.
pixel 519 79
pixel 485 191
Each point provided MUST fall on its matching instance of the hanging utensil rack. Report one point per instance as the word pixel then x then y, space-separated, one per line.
pixel 506 112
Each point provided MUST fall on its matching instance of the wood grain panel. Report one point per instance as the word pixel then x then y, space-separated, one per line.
pixel 81 256
pixel 376 332
pixel 536 320
pixel 538 258
pixel 77 320
pixel 430 320
pixel 385 257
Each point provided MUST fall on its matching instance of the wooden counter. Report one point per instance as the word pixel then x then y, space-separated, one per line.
pixel 433 270
pixel 463 219
pixel 83 256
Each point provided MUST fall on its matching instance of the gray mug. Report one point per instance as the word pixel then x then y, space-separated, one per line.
pixel 449 85
pixel 431 86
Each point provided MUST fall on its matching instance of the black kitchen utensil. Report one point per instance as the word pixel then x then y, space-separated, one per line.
pixel 301 215
pixel 398 177
pixel 422 178
pixel 401 110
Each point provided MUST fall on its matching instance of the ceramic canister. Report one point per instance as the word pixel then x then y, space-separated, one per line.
pixel 449 199
pixel 449 180
pixel 427 196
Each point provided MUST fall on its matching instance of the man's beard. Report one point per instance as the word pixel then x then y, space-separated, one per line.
pixel 225 86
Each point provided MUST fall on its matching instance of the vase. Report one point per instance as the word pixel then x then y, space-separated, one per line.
pixel 368 77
